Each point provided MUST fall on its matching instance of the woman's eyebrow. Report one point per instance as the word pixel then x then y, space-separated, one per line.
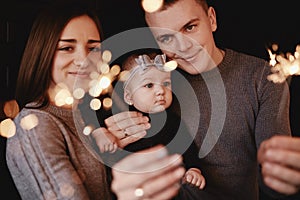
pixel 73 41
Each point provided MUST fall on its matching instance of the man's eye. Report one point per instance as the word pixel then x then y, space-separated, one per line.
pixel 165 39
pixel 149 85
pixel 190 28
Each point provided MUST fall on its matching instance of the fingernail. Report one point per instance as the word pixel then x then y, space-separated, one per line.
pixel 147 126
pixel 145 119
pixel 179 172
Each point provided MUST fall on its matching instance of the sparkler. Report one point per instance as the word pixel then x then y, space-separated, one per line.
pixel 283 65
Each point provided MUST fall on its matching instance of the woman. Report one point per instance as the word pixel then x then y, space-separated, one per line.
pixel 49 157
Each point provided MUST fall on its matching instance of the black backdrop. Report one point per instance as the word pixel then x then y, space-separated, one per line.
pixel 246 26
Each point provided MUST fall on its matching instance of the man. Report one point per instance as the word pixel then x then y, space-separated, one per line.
pixel 239 108
pixel 255 109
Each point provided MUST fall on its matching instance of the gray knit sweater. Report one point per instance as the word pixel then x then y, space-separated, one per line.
pixel 51 161
pixel 231 110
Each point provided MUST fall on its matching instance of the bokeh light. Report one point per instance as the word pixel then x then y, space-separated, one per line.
pixel 107 102
pixel 124 75
pixel 78 93
pixel 152 5
pixel 96 90
pixel 115 70
pixel 103 68
pixel 171 65
pixel 88 130
pixel 105 82
pixel 29 122
pixel 7 128
pixel 106 56
pixel 11 108
pixel 95 104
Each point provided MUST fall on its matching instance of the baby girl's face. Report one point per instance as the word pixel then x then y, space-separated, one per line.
pixel 151 91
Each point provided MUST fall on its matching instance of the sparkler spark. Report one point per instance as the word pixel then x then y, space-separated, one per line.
pixel 284 65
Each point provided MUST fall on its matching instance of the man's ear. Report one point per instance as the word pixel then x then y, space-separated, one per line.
pixel 213 18
pixel 127 97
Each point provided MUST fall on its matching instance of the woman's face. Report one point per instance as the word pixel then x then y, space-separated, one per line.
pixel 77 54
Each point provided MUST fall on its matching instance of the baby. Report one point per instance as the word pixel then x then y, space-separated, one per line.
pixel 148 90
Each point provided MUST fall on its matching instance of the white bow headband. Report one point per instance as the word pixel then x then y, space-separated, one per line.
pixel 144 63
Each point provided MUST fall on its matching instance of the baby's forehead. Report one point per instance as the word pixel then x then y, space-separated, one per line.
pixel 154 73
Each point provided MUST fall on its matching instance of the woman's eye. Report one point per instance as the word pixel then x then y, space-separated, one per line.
pixel 149 85
pixel 65 48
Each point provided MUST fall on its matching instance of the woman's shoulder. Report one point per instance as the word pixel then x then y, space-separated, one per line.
pixel 32 120
pixel 32 113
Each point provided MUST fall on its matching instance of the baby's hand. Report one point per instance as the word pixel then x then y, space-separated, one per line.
pixel 193 176
pixel 105 141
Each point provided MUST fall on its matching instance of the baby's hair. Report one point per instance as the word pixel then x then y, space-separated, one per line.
pixel 129 61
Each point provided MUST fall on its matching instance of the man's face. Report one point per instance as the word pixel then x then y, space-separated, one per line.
pixel 184 31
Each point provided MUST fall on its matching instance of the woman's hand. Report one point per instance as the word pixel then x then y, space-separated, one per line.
pixel 149 174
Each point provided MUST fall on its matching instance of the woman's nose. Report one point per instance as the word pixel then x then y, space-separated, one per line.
pixel 80 59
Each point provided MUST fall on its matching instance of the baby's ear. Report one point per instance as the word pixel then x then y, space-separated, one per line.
pixel 127 97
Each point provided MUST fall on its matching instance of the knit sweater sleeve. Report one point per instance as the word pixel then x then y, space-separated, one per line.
pixel 273 115
pixel 39 161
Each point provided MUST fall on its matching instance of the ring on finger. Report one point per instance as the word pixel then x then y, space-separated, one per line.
pixel 139 193
pixel 125 133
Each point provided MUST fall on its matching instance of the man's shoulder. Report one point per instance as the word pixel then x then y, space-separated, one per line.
pixel 244 56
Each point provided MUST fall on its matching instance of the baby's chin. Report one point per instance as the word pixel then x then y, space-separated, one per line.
pixel 157 109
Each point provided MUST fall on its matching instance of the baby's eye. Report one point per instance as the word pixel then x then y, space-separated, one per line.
pixel 167 83
pixel 149 85
pixel 95 49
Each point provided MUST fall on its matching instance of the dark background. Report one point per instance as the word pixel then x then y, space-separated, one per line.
pixel 247 26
